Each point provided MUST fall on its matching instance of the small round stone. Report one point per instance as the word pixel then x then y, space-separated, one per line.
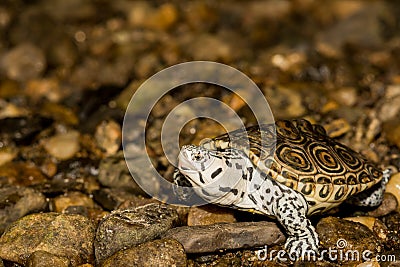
pixel 63 146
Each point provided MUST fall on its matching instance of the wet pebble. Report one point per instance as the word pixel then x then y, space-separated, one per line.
pixel 16 202
pixel 335 233
pixel 209 214
pixel 63 146
pixel 126 228
pixel 114 173
pixel 24 62
pixel 211 238
pixel 108 136
pixel 71 199
pixel 7 154
pixel 286 102
pixel 111 198
pixel 163 252
pixel 44 88
pixel 21 173
pixel 392 130
pixel 64 235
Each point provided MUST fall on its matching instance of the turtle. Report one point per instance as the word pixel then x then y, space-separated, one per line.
pixel 289 170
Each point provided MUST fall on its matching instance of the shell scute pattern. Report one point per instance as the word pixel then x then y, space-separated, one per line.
pixel 306 159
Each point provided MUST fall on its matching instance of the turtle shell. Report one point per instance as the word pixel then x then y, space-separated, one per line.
pixel 304 158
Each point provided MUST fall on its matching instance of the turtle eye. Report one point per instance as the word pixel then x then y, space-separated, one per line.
pixel 198 156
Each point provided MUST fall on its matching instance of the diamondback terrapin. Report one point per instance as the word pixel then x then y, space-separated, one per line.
pixel 301 172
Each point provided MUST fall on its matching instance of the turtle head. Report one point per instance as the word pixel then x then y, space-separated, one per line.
pixel 213 174
pixel 195 162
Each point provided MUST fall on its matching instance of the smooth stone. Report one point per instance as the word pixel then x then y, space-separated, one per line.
pixel 63 146
pixel 64 235
pixel 16 202
pixel 162 252
pixel 211 238
pixel 127 228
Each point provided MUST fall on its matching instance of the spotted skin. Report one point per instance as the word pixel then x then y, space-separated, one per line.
pixel 307 174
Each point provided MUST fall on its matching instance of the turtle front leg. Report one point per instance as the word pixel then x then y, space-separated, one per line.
pixel 303 240
pixel 290 209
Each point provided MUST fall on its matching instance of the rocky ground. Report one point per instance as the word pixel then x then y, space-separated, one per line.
pixel 69 68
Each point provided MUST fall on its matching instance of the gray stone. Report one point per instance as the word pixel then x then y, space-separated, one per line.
pixel 211 238
pixel 126 228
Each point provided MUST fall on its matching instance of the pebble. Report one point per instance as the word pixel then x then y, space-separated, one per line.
pixel 112 198
pixel 392 130
pixel 42 258
pixel 393 187
pixel 211 238
pixel 21 173
pixel 209 47
pixel 59 113
pixel 143 15
pixel 346 96
pixel 76 174
pixel 390 108
pixel 335 233
pixel 24 62
pixel 163 252
pixel 108 136
pixel 286 102
pixel 7 154
pixel 44 88
pixel 64 235
pixel 16 202
pixel 63 146
pixel 337 127
pixel 114 173
pixel 123 229
pixel 209 214
pixel 71 199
